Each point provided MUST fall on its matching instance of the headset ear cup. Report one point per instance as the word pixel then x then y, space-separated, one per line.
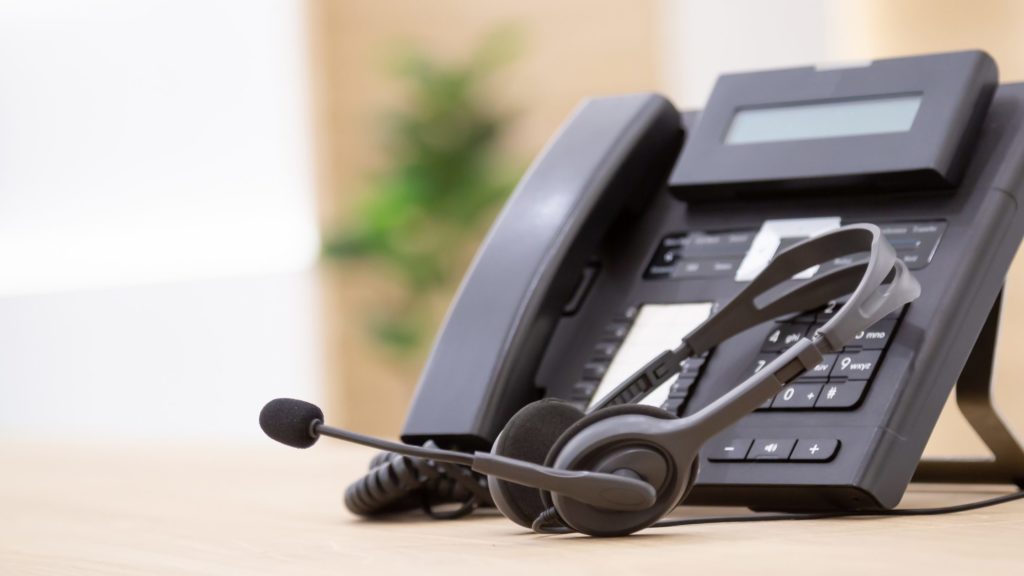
pixel 528 436
pixel 589 419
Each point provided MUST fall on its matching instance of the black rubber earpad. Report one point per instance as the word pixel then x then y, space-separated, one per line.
pixel 529 436
pixel 591 418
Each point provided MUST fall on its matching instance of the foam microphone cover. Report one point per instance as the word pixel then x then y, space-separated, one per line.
pixel 287 420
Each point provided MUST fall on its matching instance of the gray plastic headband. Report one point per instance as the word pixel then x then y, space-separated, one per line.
pixel 879 286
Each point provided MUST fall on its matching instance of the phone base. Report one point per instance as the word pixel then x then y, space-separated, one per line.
pixel 974 398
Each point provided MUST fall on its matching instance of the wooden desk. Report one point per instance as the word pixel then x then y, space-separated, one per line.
pixel 266 509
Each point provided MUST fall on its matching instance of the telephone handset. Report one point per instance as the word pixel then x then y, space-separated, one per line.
pixel 611 156
pixel 621 238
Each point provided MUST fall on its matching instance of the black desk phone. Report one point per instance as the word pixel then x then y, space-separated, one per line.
pixel 637 221
pixel 638 224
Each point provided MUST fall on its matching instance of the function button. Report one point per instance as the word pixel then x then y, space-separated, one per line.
pixel 675 241
pixel 666 257
pixel 760 362
pixel 726 450
pixel 830 309
pixel 796 396
pixel 584 389
pixel 915 242
pixel 672 405
pixel 691 367
pixel 680 388
pixel 856 365
pixel 706 268
pixel 657 272
pixel 616 330
pixel 594 370
pixel 842 262
pixel 770 449
pixel 842 395
pixel 605 350
pixel 913 260
pixel 582 288
pixel 820 370
pixel 904 243
pixel 876 337
pixel 629 313
pixel 707 245
pixel 814 450
pixel 807 317
pixel 783 336
pixel 663 262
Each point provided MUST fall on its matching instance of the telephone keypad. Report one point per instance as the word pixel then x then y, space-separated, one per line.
pixel 839 381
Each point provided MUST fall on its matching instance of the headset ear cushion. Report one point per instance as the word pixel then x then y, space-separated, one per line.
pixel 528 436
pixel 591 418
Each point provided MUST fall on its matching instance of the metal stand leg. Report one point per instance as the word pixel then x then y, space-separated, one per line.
pixel 974 397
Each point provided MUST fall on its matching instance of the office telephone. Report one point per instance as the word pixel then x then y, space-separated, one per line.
pixel 637 223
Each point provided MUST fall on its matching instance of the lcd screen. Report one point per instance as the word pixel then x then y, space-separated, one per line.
pixel 882 115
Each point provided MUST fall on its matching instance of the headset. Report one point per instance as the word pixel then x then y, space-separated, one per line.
pixel 623 466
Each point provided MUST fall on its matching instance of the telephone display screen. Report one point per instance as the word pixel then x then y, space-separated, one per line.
pixel 878 115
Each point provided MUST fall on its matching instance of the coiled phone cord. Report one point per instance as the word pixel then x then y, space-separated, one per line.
pixel 397 483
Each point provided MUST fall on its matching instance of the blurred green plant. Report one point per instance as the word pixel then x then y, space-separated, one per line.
pixel 446 175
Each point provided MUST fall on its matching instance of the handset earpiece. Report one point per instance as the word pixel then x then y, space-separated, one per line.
pixel 663 452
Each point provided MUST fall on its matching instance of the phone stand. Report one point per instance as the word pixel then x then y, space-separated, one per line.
pixel 974 398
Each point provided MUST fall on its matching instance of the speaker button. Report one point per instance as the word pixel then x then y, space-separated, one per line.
pixel 771 449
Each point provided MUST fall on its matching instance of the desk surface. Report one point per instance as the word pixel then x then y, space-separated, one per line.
pixel 265 509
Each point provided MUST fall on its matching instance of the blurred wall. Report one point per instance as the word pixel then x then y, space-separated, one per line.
pixel 571 50
pixel 157 220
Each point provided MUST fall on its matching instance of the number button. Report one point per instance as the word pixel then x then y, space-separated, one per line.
pixel 820 370
pixel 761 361
pixel 857 365
pixel 876 337
pixel 783 336
pixel 796 396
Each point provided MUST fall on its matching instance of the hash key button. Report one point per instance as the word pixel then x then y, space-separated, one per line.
pixel 815 450
pixel 840 396
pixel 771 449
pixel 857 366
